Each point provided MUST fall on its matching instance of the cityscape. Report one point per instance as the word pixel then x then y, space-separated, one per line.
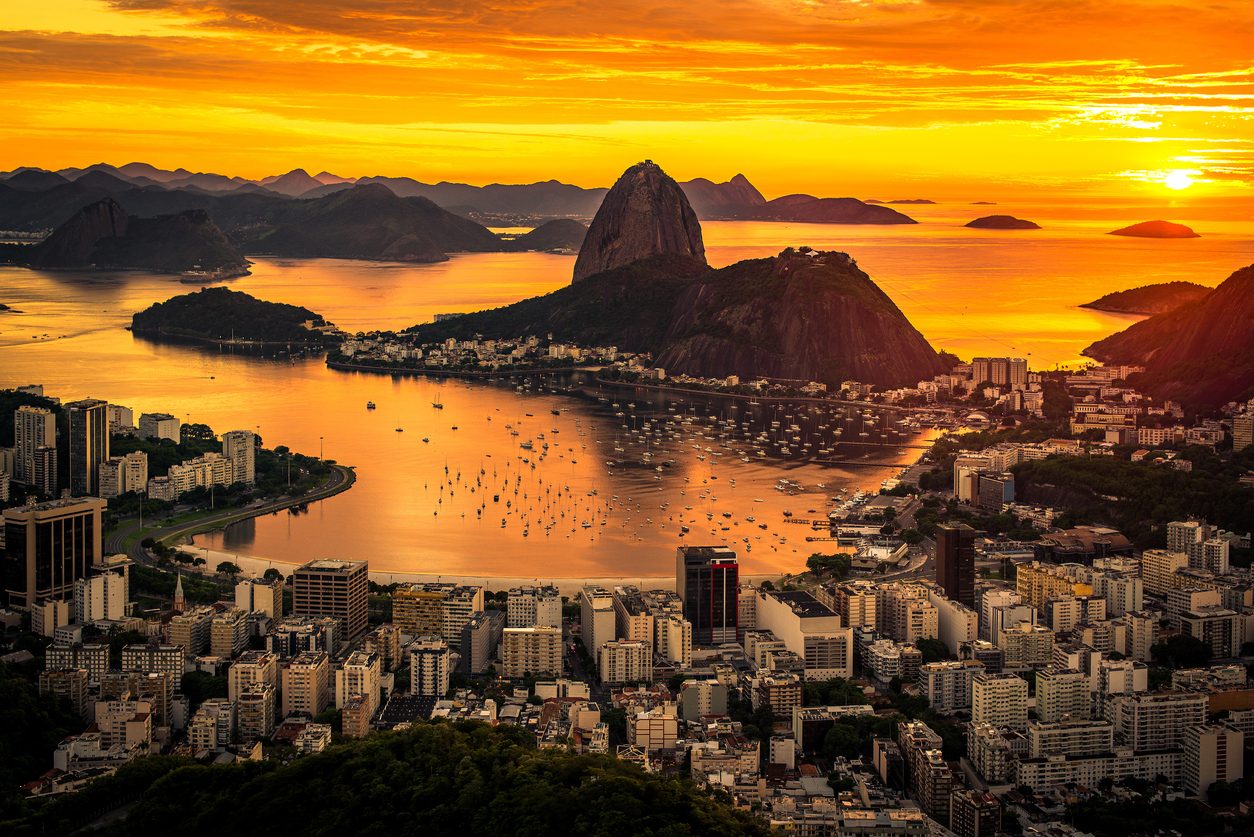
pixel 592 495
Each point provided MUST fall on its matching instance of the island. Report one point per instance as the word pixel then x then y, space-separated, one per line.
pixel 905 201
pixel 561 235
pixel 220 315
pixel 1002 222
pixel 1156 229
pixel 1150 299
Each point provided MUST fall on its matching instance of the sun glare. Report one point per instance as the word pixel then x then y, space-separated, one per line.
pixel 1178 179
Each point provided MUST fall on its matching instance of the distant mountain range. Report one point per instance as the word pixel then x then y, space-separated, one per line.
pixel 502 204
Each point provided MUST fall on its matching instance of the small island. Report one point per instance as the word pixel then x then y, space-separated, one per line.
pixel 1002 222
pixel 1156 229
pixel 1150 299
pixel 220 315
pixel 905 202
pixel 563 235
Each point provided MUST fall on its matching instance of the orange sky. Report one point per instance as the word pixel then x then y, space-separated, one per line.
pixel 872 98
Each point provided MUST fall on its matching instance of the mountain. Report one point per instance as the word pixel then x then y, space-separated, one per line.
pixel 644 214
pixel 547 199
pixel 102 235
pixel 296 182
pixel 907 201
pixel 732 199
pixel 558 234
pixel 1156 229
pixel 1201 353
pixel 1002 222
pixel 1150 299
pixel 220 314
pixel 812 210
pixel 802 315
pixel 363 222
pixel 325 177
pixel 34 180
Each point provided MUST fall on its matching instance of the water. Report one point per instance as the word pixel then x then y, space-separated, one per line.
pixel 969 291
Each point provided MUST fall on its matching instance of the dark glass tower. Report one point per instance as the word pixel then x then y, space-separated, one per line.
pixel 707 579
pixel 955 562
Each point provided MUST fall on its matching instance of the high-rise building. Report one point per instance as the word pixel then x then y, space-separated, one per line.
pixel 159 426
pixel 1156 720
pixel 86 445
pixel 995 491
pixel 228 633
pixel 305 684
pixel 1243 430
pixel 240 447
pixel 625 661
pixel 33 428
pixel 104 594
pixel 359 676
pixel 1000 700
pixel 48 547
pixel 1158 569
pixel 46 479
pixel 121 419
pixel 326 587
pixel 955 562
pixel 1062 694
pixel 974 813
pixel 255 707
pixel 429 667
pixel 947 684
pixel 707 579
pixel 1212 753
pixel 481 635
pixel 528 606
pixel 436 609
pixel 159 659
pixel 808 629
pixel 252 667
pixel 854 601
pixel 260 595
pixel 536 650
pixel 597 620
pixel 124 474
pixel 191 629
pixel 1216 626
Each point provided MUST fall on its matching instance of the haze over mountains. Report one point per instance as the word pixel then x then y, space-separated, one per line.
pixel 736 199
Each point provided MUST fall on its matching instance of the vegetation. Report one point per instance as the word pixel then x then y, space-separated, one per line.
pixel 30 728
pixel 1141 816
pixel 433 779
pixel 830 566
pixel 1182 651
pixel 224 314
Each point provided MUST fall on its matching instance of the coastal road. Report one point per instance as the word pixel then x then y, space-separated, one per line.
pixel 126 538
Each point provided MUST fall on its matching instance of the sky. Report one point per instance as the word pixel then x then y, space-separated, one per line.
pixel 886 99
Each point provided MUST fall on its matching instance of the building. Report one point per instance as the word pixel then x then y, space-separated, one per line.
pixel 252 668
pixel 305 684
pixel 68 684
pixel 228 633
pixel 855 603
pixel 191 629
pixel 48 547
pixel 359 676
pixel 536 650
pixel 86 445
pixel 633 618
pixel 239 447
pixel 33 428
pixel 254 710
pixel 672 639
pixel 429 665
pixel 955 561
pixel 1000 700
pixel 124 474
pixel 906 612
pixel 295 634
pixel 928 777
pixel 313 738
pixel 259 595
pixel 121 419
pixel 707 579
pixel 481 636
pixel 808 629
pixel 157 659
pixel 1039 582
pixel 333 588
pixel 625 661
pixel 995 491
pixel 1217 627
pixel 701 698
pixel 385 640
pixel 1080 737
pixel 104 594
pixel 974 813
pixel 159 426
pixel 1156 721
pixel 781 693
pixel 1212 753
pixel 1243 430
pixel 1158 569
pixel 530 606
pixel 597 621
pixel 213 727
pixel 947 684
pixel 1027 645
pixel 436 609
pixel 1062 694
pixel 654 729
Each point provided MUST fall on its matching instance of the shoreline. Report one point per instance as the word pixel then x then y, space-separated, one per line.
pixel 341 366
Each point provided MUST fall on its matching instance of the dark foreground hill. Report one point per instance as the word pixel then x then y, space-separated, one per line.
pixel 223 314
pixel 431 780
pixel 1150 299
pixel 1202 353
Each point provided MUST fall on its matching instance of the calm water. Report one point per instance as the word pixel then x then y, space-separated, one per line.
pixel 969 291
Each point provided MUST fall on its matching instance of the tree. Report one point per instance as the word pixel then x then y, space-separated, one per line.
pixel 933 650
pixel 837 566
pixel 1182 651
pixel 271 574
pixel 229 568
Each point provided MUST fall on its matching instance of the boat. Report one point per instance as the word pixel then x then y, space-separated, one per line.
pixel 425 440
pixel 400 430
pixel 369 405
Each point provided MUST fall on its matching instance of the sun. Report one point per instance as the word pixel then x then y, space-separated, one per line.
pixel 1178 179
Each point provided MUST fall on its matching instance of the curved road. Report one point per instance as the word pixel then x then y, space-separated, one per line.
pixel 342 479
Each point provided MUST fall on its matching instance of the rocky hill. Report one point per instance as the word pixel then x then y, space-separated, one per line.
pixel 736 198
pixel 1002 222
pixel 1150 299
pixel 561 234
pixel 1201 353
pixel 644 214
pixel 805 315
pixel 223 314
pixel 1156 229
pixel 102 235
